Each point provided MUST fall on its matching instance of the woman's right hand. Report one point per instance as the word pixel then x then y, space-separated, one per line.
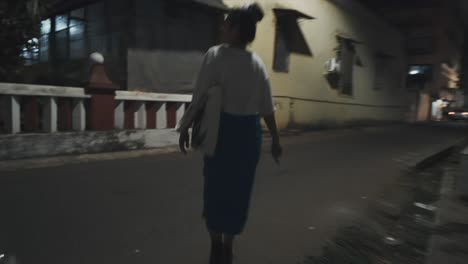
pixel 184 141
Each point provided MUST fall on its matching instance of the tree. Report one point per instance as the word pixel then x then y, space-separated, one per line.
pixel 19 23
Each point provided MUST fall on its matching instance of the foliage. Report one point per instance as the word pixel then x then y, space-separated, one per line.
pixel 19 23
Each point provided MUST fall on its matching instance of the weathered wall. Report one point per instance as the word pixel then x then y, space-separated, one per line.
pixel 304 96
pixel 20 146
pixel 168 42
pixel 163 71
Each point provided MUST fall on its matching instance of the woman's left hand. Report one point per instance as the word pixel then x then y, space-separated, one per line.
pixel 276 150
pixel 184 141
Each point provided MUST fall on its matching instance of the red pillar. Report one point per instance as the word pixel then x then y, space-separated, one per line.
pixel 31 112
pixel 171 109
pixel 129 114
pixel 102 101
pixel 151 109
pixel 64 114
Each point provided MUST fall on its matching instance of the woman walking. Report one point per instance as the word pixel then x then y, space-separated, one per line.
pixel 236 81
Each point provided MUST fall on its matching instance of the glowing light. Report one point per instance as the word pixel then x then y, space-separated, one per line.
pixel 45 26
pixel 451 113
pixel 414 72
pixel 97 57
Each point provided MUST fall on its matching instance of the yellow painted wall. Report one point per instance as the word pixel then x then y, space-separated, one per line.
pixel 303 95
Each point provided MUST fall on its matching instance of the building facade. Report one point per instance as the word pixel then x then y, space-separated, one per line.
pixel 434 36
pixel 331 62
pixel 148 45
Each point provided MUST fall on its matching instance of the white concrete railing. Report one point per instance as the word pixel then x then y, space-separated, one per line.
pixel 10 109
pixel 143 98
pixel 10 106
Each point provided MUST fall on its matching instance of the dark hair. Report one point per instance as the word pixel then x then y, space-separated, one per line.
pixel 246 19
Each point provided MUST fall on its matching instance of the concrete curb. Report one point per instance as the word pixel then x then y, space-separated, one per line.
pixel 26 164
pixel 450 212
pixel 56 161
pixel 412 162
pixel 418 161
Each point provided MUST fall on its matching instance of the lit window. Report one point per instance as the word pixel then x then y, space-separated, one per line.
pixel 418 75
pixel 44 48
pixel 77 34
pixel 61 22
pixel 45 26
pixel 77 31
pixel 30 52
pixel 419 70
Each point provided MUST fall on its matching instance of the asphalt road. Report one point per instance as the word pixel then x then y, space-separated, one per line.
pixel 148 210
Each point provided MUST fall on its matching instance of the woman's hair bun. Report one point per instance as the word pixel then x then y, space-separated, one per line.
pixel 255 11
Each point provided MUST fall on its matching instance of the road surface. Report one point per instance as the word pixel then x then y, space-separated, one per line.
pixel 148 210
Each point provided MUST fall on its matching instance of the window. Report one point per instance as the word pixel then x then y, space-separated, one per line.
pixel 69 35
pixel 61 37
pixel 420 70
pixel 30 53
pixel 77 34
pixel 37 50
pixel 418 75
pixel 61 22
pixel 61 43
pixel 97 32
pixel 44 40
pixel 288 38
pixel 282 53
pixel 346 56
pixel 46 27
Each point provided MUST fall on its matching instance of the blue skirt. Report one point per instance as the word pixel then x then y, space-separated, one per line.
pixel 229 173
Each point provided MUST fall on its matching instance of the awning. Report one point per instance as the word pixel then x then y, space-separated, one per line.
pixel 288 26
pixel 216 4
pixel 292 13
pixel 348 37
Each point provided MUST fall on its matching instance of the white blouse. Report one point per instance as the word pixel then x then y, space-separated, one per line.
pixel 242 77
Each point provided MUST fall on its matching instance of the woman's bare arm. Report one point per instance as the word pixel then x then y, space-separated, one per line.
pixel 270 121
pixel 276 150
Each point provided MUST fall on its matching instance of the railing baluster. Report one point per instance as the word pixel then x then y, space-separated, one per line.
pixel 79 115
pixel 161 116
pixel 50 115
pixel 119 115
pixel 13 122
pixel 180 112
pixel 140 116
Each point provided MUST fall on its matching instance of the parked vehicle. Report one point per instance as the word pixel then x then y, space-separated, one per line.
pixel 457 114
